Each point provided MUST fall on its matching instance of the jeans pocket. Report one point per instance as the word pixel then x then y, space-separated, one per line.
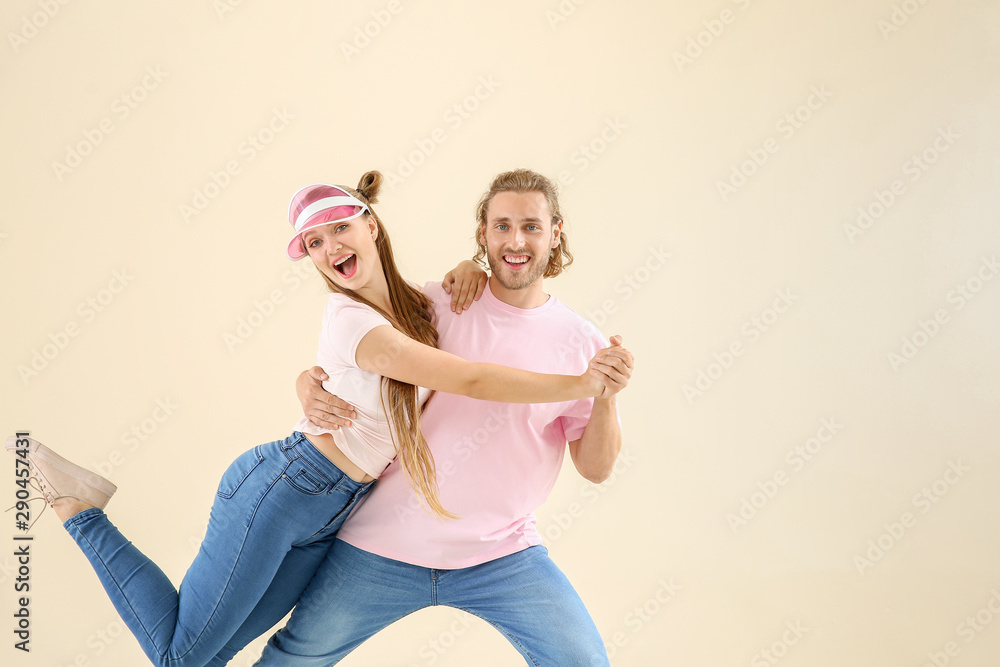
pixel 304 478
pixel 238 472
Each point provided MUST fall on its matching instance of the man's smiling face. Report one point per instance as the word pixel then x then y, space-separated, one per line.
pixel 519 238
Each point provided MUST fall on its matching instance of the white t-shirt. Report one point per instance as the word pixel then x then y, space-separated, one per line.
pixel 368 442
pixel 496 462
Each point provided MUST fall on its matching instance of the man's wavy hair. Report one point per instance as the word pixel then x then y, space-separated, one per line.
pixel 524 180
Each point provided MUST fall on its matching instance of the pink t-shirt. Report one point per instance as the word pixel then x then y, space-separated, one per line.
pixel 496 462
pixel 368 443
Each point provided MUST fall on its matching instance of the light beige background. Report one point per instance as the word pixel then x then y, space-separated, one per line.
pixel 598 94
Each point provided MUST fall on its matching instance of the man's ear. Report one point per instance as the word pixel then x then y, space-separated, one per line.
pixel 556 234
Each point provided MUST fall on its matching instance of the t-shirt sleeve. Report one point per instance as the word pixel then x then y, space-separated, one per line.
pixel 574 420
pixel 345 323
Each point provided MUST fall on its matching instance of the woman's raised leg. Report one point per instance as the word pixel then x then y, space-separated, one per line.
pixel 274 498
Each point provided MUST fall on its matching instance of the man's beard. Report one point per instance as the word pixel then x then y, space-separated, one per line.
pixel 516 280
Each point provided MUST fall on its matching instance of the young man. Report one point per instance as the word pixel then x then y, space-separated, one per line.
pixel 496 463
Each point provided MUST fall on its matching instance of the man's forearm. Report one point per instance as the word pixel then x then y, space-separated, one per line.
pixel 595 453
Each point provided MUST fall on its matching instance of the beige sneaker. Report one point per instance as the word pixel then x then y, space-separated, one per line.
pixel 59 478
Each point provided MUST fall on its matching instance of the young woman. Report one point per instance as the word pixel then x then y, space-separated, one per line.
pixel 279 505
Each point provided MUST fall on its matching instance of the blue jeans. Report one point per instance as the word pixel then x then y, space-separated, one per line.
pixel 276 513
pixel 356 593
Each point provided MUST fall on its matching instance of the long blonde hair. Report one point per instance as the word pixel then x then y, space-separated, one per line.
pixel 413 317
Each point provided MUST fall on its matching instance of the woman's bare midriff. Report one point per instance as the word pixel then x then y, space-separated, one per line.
pixel 325 444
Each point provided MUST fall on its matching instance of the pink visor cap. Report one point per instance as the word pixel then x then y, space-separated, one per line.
pixel 316 205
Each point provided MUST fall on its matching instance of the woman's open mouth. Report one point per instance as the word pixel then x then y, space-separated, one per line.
pixel 346 266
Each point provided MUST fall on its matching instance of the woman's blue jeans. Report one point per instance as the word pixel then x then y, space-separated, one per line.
pixel 276 513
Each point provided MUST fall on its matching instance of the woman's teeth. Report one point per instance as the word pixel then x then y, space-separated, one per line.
pixel 346 265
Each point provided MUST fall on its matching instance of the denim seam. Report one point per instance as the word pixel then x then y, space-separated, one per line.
pixel 299 479
pixel 333 482
pixel 82 517
pixel 347 481
pixel 344 508
pixel 260 459
pixel 229 576
pixel 93 549
pixel 306 463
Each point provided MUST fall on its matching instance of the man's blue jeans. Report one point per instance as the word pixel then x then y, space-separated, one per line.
pixel 356 593
pixel 276 513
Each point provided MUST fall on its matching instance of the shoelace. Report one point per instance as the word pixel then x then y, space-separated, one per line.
pixel 37 486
